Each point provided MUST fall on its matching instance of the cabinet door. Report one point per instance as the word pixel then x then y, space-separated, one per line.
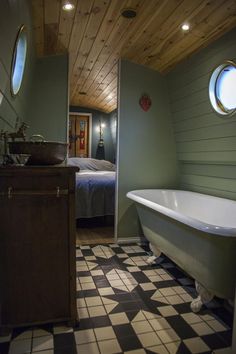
pixel 34 258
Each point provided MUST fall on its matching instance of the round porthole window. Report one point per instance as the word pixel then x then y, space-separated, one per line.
pixel 222 88
pixel 18 60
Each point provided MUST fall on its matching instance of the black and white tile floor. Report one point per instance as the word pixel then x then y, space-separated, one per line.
pixel 128 306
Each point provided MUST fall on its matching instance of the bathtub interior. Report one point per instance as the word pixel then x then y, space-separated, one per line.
pixel 199 207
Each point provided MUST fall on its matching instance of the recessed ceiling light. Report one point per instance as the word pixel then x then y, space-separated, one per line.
pixel 68 6
pixel 128 13
pixel 185 27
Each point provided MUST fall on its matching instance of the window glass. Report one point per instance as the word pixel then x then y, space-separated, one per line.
pixel 222 88
pixel 226 87
pixel 18 63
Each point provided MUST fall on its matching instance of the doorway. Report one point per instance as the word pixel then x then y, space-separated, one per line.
pixel 80 134
pixel 91 186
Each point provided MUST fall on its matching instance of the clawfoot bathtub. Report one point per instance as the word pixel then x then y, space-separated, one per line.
pixel 196 231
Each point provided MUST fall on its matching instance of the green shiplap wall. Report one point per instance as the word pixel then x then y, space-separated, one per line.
pixel 113 127
pixel 12 15
pixel 205 141
pixel 42 101
pixel 146 150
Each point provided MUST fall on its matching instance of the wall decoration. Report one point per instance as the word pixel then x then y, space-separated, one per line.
pixel 82 134
pixel 78 135
pixel 145 102
pixel 100 129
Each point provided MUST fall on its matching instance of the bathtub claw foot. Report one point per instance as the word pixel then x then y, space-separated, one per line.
pixel 155 254
pixel 151 259
pixel 203 298
pixel 196 304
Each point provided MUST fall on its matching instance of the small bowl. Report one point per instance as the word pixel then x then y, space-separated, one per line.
pixel 19 159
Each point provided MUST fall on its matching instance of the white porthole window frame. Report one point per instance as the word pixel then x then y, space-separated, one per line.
pixel 216 103
pixel 15 90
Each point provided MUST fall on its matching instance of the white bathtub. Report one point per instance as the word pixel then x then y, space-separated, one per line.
pixel 197 231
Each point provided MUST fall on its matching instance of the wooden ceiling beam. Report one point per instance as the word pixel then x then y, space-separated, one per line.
pixel 114 41
pixel 51 25
pixel 100 96
pixel 96 36
pixel 188 37
pixel 66 22
pixel 171 27
pixel 82 15
pixel 38 25
pixel 107 99
pixel 209 29
pixel 98 12
pixel 51 11
pixel 101 38
pixel 157 15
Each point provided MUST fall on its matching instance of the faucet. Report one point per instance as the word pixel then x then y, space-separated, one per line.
pixel 4 135
pixel 20 133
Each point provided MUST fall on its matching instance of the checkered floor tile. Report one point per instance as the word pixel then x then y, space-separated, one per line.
pixel 128 306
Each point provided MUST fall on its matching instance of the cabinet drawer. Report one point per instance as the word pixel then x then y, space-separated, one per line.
pixel 34 182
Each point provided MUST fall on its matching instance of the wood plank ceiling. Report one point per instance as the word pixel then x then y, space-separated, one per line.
pixel 96 35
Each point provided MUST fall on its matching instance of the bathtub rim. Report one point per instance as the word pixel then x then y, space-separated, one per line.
pixel 187 220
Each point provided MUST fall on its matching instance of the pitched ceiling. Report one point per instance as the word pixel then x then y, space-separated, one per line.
pixel 96 36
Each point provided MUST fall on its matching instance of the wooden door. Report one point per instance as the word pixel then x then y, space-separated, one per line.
pixel 37 265
pixel 79 135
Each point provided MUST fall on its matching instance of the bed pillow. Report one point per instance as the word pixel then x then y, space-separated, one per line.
pixel 91 164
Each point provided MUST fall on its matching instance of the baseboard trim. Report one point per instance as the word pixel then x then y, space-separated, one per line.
pixel 123 240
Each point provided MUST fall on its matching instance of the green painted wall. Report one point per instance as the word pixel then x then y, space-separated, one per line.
pixel 113 128
pixel 146 148
pixel 48 106
pixel 42 101
pixel 205 141
pixel 12 15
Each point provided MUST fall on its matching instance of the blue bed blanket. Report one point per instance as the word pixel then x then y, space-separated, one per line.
pixel 95 193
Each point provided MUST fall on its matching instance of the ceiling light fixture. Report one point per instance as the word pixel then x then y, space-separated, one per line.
pixel 128 13
pixel 68 6
pixel 185 27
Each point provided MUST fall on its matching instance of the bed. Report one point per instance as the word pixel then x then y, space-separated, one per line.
pixel 95 187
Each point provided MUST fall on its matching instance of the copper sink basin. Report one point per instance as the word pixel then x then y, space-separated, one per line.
pixel 41 152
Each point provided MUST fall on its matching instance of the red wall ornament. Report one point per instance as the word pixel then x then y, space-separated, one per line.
pixel 145 102
pixel 82 135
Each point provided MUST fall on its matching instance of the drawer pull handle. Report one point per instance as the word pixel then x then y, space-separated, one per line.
pixel 9 192
pixel 53 192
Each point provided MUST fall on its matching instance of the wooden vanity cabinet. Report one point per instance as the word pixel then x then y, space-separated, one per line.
pixel 37 245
